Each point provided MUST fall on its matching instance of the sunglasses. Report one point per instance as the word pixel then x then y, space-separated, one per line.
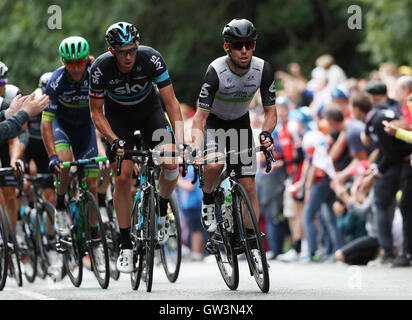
pixel 78 63
pixel 124 53
pixel 3 82
pixel 250 44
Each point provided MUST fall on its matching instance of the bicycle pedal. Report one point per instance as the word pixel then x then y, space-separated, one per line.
pixel 211 248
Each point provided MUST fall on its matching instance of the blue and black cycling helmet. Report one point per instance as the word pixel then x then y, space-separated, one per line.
pixel 121 34
pixel 239 29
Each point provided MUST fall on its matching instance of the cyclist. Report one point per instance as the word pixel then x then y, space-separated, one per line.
pixel 11 150
pixel 66 127
pixel 35 154
pixel 122 79
pixel 228 87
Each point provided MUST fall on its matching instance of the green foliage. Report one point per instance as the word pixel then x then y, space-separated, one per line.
pixel 389 26
pixel 186 32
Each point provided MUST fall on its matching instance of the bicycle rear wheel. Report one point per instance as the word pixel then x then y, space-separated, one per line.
pixel 28 249
pixel 171 251
pixel 226 258
pixel 113 242
pixel 3 251
pixel 14 253
pixel 96 241
pixel 242 208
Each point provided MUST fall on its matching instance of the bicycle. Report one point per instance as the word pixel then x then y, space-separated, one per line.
pixel 84 237
pixel 10 258
pixel 43 214
pixel 111 227
pixel 145 213
pixel 231 237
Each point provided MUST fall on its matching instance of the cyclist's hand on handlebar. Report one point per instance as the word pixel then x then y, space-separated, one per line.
pixel 116 149
pixel 13 164
pixel 266 140
pixel 54 164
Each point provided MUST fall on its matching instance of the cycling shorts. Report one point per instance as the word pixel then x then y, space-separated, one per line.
pixel 226 135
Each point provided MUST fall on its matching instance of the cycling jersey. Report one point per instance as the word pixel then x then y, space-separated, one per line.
pixel 128 89
pixel 131 101
pixel 69 100
pixel 228 95
pixel 69 113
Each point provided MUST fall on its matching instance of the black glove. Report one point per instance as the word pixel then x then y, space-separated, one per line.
pixel 113 149
pixel 265 135
pixel 53 162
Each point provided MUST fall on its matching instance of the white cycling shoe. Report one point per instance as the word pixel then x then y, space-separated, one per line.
pixel 125 261
pixel 209 222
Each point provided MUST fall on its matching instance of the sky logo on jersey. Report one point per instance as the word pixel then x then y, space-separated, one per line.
pixel 204 93
pixel 96 75
pixel 156 61
pixel 126 89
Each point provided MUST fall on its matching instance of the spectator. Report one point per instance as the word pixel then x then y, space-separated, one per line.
pixel 378 94
pixel 190 200
pixel 403 90
pixel 340 97
pixel 335 74
pixel 391 172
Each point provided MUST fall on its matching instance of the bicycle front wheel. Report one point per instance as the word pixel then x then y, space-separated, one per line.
pixel 171 251
pixel 3 251
pixel 149 231
pixel 14 253
pixel 252 238
pixel 96 241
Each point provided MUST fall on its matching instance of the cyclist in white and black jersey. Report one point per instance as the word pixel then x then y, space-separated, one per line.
pixel 122 80
pixel 229 85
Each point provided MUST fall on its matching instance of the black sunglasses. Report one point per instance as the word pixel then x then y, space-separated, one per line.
pixel 238 45
pixel 124 53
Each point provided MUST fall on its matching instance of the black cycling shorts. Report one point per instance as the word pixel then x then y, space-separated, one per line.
pixel 149 118
pixel 7 180
pixel 227 135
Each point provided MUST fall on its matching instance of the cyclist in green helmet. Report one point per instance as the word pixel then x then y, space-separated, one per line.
pixel 67 129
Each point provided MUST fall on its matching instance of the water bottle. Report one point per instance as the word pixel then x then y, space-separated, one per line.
pixel 227 213
pixel 74 211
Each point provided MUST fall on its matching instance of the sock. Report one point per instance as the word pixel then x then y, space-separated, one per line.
pixel 251 233
pixel 297 245
pixel 95 233
pixel 102 199
pixel 163 206
pixel 125 238
pixel 60 202
pixel 208 198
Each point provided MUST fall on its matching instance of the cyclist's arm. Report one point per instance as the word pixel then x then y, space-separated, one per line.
pixel 204 107
pixel 268 94
pixel 100 121
pixel 48 137
pixel 198 128
pixel 173 111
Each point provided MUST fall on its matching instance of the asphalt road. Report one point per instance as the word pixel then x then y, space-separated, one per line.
pixel 202 281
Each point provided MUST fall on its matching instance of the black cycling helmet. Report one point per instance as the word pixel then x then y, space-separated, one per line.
pixel 121 34
pixel 239 29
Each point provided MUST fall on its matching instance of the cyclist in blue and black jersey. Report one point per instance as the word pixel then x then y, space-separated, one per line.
pixel 67 129
pixel 122 79
pixel 229 85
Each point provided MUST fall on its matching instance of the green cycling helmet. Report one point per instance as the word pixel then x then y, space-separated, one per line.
pixel 74 48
